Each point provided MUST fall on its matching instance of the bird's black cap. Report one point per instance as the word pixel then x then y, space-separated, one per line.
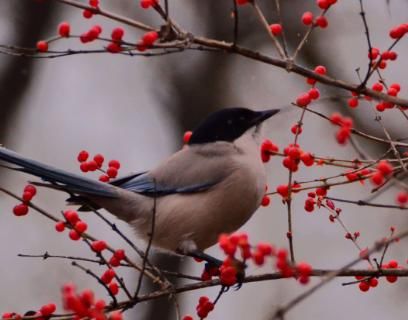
pixel 228 124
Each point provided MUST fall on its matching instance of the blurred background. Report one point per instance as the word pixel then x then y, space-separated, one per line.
pixel 136 109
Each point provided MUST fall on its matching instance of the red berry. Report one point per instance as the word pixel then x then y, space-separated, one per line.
pixel 116 315
pixel 283 190
pixel 48 309
pixel 114 288
pixel 187 136
pixel 120 254
pixel 393 264
pixel 314 93
pixel 98 158
pixel 27 196
pixel 81 226
pixel 353 102
pixel 304 269
pixel 276 29
pixel 320 70
pixel 114 163
pixel 117 34
pixel 323 4
pixel 94 3
pixel 396 86
pixel 322 22
pixel 363 286
pixel 113 47
pixel 385 167
pixel 114 262
pixel 84 167
pixel 71 216
pixel 98 245
pixel 402 198
pixel 145 4
pixel 373 282
pixel 112 172
pixel 31 189
pixel 303 100
pixel 265 201
pixel 374 53
pixel 92 165
pixel 307 18
pixel 42 46
pixel 83 156
pixel 60 226
pixel 377 87
pixel 74 235
pixel 64 29
pixel 87 14
pixel 188 318
pixel 296 129
pixel 150 37
pixel 20 210
pixel 391 279
pixel 307 158
pixel 104 178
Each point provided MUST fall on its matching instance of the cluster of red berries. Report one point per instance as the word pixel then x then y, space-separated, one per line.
pixel 116 36
pixel 383 170
pixel 359 175
pixel 91 35
pixel 146 4
pixel 107 278
pixel 354 236
pixel 87 13
pixel 283 189
pixel 204 307
pixel 96 164
pixel 44 313
pixel 294 155
pixel 345 123
pixel 399 31
pixel 78 226
pixel 335 212
pixel 301 271
pixel 304 99
pixel 375 54
pixel 268 149
pixel 84 304
pixel 393 90
pixel 402 198
pixel 230 245
pixel 28 194
pixel 320 21
pixel 148 39
pixel 315 198
pixel 365 284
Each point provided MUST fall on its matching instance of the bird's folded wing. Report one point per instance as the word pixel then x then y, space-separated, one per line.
pixel 184 172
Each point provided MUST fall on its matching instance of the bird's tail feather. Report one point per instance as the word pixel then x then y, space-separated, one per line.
pixel 59 179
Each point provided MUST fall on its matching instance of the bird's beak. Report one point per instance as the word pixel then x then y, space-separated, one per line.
pixel 263 115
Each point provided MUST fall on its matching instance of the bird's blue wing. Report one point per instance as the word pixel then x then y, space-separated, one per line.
pixel 146 185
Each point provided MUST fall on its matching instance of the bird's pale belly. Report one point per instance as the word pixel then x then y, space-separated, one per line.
pixel 200 220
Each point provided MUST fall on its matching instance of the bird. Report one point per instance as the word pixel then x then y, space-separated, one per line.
pixel 213 185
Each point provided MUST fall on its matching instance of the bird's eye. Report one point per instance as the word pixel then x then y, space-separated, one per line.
pixel 229 122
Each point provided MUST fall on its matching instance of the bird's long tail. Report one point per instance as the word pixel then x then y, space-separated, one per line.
pixel 58 179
